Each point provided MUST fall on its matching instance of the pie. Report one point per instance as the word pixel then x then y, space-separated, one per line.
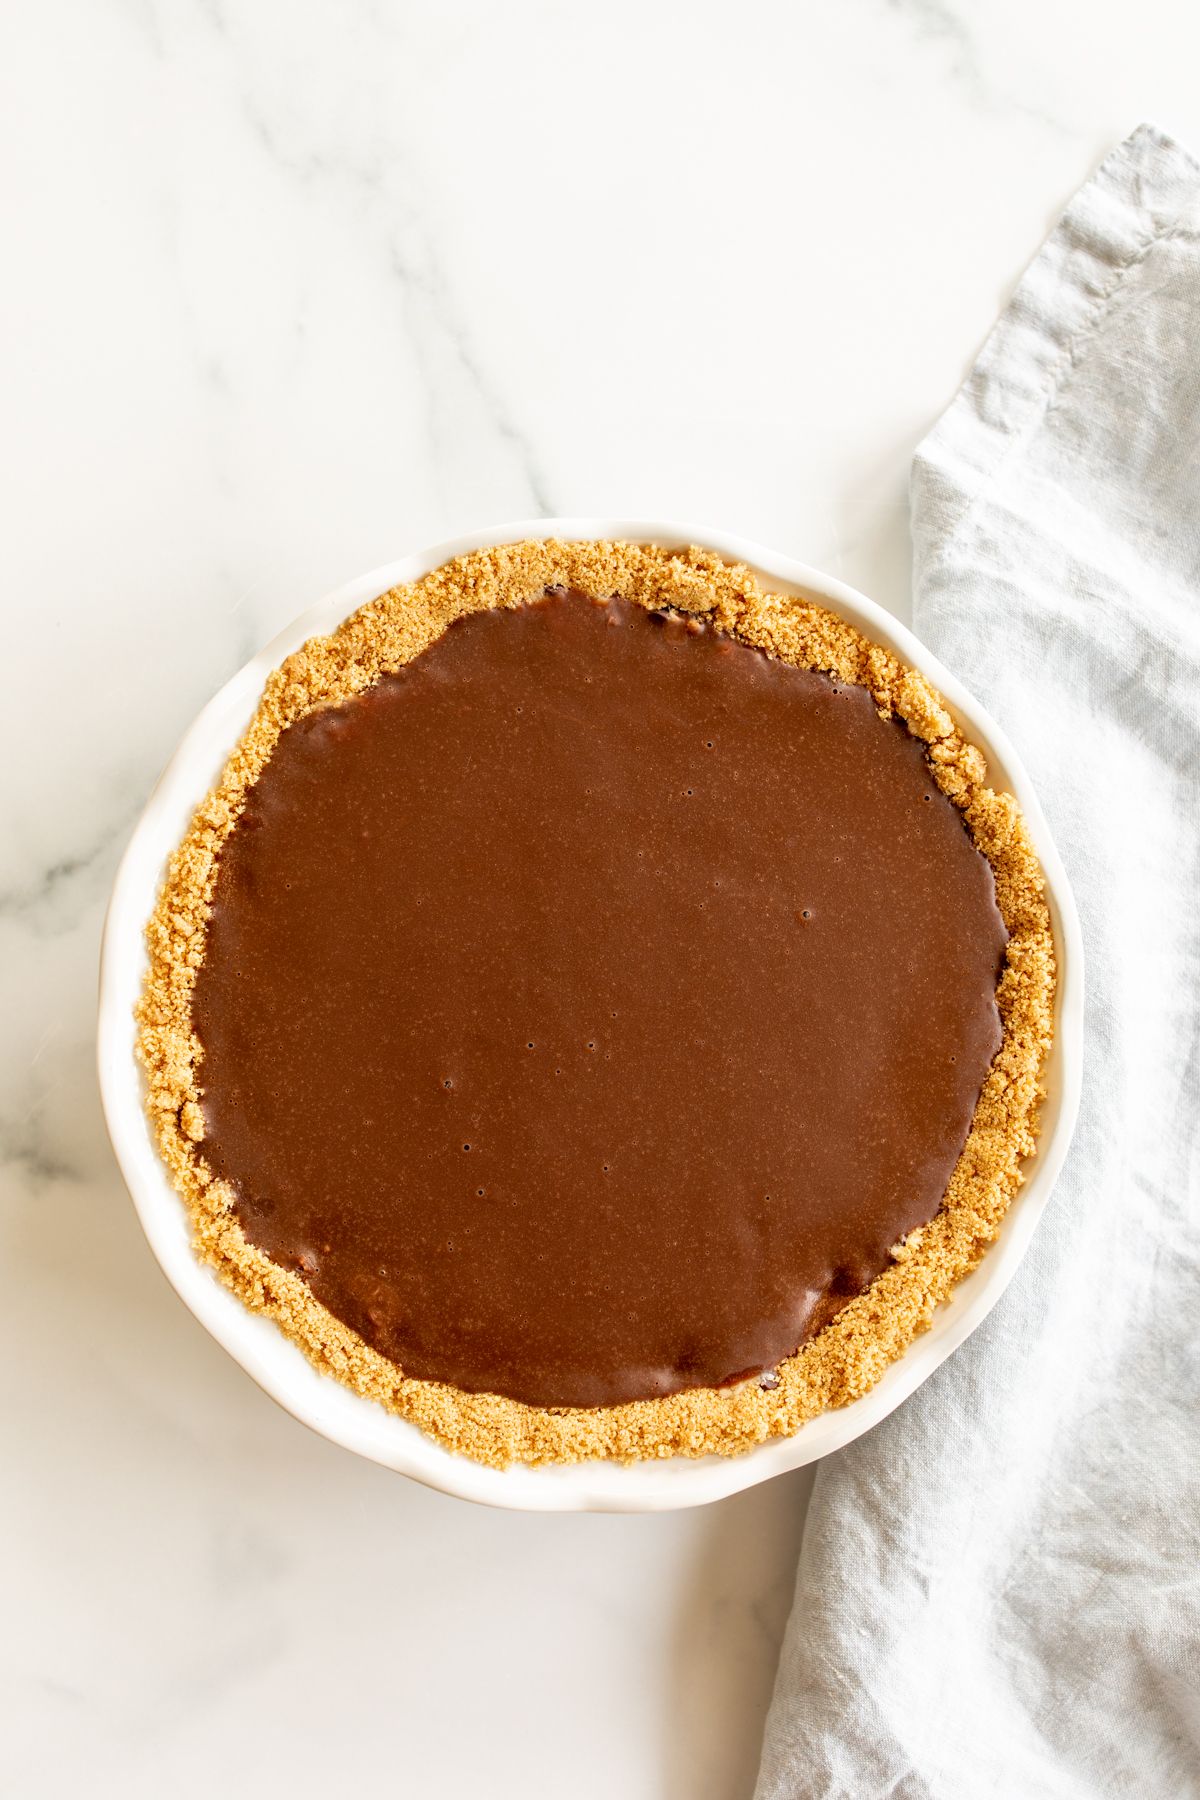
pixel 601 1008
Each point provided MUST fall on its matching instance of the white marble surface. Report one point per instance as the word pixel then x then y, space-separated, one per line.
pixel 291 288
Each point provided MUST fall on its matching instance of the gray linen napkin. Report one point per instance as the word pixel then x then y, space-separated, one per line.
pixel 999 1588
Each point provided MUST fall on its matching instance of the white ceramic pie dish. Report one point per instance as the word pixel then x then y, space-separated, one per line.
pixel 262 1349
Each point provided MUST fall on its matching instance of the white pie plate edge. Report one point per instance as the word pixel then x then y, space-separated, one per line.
pixel 262 1349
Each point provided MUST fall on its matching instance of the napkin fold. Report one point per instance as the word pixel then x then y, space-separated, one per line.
pixel 999 1587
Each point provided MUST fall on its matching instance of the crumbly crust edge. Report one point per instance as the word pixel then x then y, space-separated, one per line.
pixel 850 1354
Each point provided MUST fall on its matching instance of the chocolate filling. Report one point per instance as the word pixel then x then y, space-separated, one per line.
pixel 589 1007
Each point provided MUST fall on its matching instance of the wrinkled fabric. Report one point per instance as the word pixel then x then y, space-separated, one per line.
pixel 999 1587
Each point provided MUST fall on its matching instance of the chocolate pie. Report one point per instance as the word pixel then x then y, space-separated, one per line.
pixel 600 1010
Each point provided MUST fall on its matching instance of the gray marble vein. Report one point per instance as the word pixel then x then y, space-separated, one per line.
pixel 446 353
pixel 942 22
pixel 51 897
pixel 441 338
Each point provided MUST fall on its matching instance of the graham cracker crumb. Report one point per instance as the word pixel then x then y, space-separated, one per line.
pixel 848 1356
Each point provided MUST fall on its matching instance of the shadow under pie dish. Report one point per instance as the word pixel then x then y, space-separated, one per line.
pixel 600 1009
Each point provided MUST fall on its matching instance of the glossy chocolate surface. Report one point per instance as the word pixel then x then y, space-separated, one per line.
pixel 588 1008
